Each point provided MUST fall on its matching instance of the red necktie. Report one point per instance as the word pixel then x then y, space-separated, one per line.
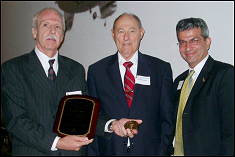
pixel 51 72
pixel 129 83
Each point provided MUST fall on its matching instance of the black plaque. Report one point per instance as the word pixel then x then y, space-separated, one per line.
pixel 77 115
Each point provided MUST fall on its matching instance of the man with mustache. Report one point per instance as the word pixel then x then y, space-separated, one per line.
pixel 31 94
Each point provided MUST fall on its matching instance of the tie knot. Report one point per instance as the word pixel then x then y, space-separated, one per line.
pixel 191 72
pixel 51 62
pixel 128 64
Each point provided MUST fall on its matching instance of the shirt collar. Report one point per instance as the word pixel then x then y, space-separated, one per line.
pixel 199 66
pixel 44 60
pixel 134 59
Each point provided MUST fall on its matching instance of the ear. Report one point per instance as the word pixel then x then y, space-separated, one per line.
pixel 142 33
pixel 208 42
pixel 112 33
pixel 34 33
pixel 62 38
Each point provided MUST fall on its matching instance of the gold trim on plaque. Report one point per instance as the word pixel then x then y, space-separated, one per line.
pixel 93 108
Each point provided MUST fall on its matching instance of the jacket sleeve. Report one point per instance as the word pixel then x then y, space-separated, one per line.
pixel 102 119
pixel 166 110
pixel 16 116
pixel 225 97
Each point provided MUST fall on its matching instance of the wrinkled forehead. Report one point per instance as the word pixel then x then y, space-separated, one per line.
pixel 49 15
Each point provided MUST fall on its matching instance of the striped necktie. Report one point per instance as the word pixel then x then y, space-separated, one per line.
pixel 129 83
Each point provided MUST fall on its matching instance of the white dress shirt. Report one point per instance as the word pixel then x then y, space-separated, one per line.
pixel 198 68
pixel 44 59
pixel 133 68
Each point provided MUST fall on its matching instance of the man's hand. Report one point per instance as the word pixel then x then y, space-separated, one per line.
pixel 119 129
pixel 72 142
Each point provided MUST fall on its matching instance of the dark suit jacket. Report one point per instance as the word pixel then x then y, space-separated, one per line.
pixel 151 103
pixel 208 117
pixel 30 102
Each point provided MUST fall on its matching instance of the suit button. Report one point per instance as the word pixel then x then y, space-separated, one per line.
pixel 185 113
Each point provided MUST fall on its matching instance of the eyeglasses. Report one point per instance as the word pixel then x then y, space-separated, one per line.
pixel 193 41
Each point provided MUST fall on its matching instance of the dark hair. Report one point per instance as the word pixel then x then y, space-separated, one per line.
pixel 191 23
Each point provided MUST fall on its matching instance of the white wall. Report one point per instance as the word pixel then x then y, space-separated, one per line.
pixel 89 41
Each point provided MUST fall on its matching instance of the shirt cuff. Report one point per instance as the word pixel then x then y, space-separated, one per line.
pixel 53 147
pixel 107 124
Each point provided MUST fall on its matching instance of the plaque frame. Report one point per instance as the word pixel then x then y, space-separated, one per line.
pixel 90 132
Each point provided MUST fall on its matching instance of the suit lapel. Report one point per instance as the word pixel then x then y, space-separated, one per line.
pixel 143 69
pixel 38 75
pixel 64 75
pixel 114 76
pixel 113 73
pixel 204 74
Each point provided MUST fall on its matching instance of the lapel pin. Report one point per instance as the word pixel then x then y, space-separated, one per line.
pixel 203 79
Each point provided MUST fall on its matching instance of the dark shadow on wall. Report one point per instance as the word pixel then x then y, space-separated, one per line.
pixel 107 8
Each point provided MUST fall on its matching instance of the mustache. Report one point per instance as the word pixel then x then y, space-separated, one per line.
pixel 52 36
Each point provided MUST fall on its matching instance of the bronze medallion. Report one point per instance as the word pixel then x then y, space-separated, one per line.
pixel 131 125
